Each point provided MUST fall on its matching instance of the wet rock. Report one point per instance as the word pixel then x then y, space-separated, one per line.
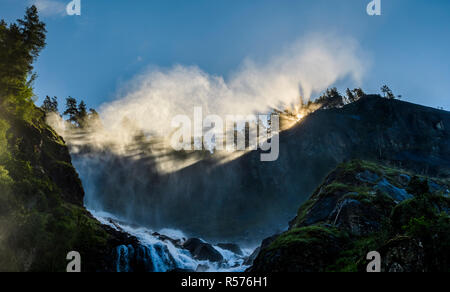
pixel 249 261
pixel 404 179
pixel 264 244
pixel 322 208
pixel 440 126
pixel 392 191
pixel 201 250
pixel 334 221
pixel 234 248
pixel 307 249
pixel 176 242
pixel 367 177
pixel 356 217
pixel 201 269
pixel 436 188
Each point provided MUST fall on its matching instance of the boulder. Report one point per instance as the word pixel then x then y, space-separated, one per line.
pixel 176 242
pixel 356 217
pixel 201 250
pixel 249 261
pixel 234 248
pixel 322 208
pixel 392 191
pixel 201 269
pixel 404 179
pixel 265 243
pixel 437 188
pixel 367 177
pixel 306 249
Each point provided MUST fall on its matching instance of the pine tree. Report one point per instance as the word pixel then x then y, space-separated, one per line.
pixel 33 32
pixel 82 114
pixel 358 93
pixel 350 95
pixel 71 109
pixel 50 105
pixel 387 92
pixel 20 45
pixel 331 99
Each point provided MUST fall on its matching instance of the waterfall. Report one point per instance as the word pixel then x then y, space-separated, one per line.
pixel 162 251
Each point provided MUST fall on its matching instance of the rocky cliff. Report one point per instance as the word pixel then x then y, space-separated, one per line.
pixel 42 217
pixel 363 207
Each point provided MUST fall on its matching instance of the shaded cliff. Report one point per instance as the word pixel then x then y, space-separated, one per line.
pixel 363 207
pixel 42 217
pixel 247 199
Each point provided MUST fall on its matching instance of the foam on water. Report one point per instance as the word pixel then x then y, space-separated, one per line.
pixel 162 255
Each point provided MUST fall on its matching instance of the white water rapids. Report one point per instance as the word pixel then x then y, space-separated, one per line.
pixel 162 255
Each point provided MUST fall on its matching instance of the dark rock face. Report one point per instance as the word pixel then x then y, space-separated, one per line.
pixel 251 259
pixel 323 207
pixel 357 217
pixel 201 269
pixel 202 251
pixel 404 179
pixel 363 207
pixel 367 177
pixel 256 199
pixel 45 150
pixel 403 254
pixel 231 247
pixel 176 242
pixel 265 243
pixel 397 194
pixel 299 250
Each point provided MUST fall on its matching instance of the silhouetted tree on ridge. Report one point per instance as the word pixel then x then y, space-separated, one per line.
pixel 387 92
pixel 50 105
pixel 331 99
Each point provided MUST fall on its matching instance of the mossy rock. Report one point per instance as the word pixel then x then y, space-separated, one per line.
pixel 307 249
pixel 42 217
pixel 349 216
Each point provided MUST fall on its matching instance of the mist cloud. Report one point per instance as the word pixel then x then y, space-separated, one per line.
pixel 150 101
pixel 309 66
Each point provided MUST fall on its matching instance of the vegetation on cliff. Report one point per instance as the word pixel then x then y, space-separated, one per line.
pixel 362 207
pixel 42 217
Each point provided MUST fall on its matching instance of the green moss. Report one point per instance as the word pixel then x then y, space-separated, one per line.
pixel 379 200
pixel 305 236
pixel 356 166
pixel 336 187
pixel 303 211
pixel 424 218
pixel 351 258
pixel 418 218
pixel 427 206
pixel 5 179
pixel 37 225
pixel 357 192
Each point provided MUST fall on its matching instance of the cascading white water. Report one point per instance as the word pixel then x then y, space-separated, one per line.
pixel 159 255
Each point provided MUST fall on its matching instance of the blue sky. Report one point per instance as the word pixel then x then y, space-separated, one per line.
pixel 91 56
